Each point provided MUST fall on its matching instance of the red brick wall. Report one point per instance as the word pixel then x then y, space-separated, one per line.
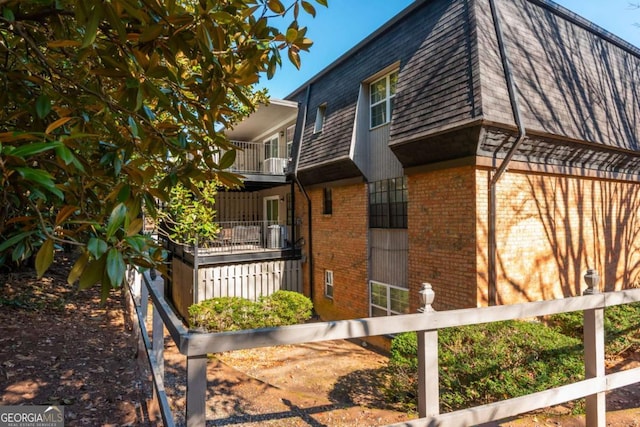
pixel 340 245
pixel 442 241
pixel 551 229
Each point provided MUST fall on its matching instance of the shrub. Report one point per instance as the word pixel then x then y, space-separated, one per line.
pixel 480 364
pixel 621 326
pixel 235 313
pixel 225 314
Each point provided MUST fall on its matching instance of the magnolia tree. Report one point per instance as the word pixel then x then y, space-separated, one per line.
pixel 106 106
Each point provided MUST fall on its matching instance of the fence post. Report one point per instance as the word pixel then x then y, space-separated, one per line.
pixel 196 390
pixel 157 341
pixel 594 353
pixel 428 380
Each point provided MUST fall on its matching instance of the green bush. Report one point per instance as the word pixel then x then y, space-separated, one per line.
pixel 234 313
pixel 485 363
pixel 621 326
pixel 286 308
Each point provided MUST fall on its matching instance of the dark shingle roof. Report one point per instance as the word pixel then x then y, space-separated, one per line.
pixel 578 88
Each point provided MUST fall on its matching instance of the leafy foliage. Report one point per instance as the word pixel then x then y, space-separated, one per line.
pixel 191 216
pixel 480 364
pixel 234 313
pixel 106 106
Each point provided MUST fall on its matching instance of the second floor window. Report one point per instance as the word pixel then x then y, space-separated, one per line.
pixel 271 148
pixel 320 113
pixel 289 138
pixel 388 203
pixel 382 92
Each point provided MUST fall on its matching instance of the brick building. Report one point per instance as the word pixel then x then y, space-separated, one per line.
pixel 507 167
pixel 488 147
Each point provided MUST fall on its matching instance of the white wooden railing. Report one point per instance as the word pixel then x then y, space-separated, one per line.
pixel 251 159
pixel 196 346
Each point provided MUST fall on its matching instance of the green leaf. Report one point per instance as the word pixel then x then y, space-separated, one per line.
pixel 91 30
pixel 292 35
pixel 124 193
pixel 97 247
pixel 135 227
pixel 150 33
pixel 78 268
pixel 33 149
pixel 8 14
pixel 228 159
pixel 133 125
pixel 308 7
pixel 294 57
pixel 92 273
pixel 137 242
pixel 43 106
pixel 115 267
pixel 40 177
pixel 276 6
pixel 44 258
pixel 15 239
pixel 116 219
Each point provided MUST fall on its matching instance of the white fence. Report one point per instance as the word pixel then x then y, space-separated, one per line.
pixel 196 346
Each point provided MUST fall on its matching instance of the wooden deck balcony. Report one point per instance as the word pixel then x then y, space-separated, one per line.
pixel 252 158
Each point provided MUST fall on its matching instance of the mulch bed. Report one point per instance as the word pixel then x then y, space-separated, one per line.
pixel 62 346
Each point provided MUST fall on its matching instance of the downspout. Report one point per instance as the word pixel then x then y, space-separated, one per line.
pixel 304 192
pixel 515 107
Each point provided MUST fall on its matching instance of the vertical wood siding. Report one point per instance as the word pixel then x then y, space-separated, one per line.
pixel 383 163
pixel 389 256
pixel 249 281
pixel 238 206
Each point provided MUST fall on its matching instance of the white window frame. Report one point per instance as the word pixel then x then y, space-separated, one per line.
pixel 388 289
pixel 328 284
pixel 289 133
pixel 269 143
pixel 320 115
pixel 387 100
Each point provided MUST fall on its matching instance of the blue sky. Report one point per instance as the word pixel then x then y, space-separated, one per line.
pixel 346 22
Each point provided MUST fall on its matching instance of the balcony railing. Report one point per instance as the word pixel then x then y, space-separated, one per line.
pixel 251 159
pixel 238 237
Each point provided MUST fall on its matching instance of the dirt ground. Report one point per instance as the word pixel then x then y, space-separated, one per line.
pixel 60 346
pixel 63 347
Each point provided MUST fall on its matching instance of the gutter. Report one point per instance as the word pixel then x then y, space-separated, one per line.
pixel 515 107
pixel 294 175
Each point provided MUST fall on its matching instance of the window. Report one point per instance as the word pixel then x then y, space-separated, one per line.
pixel 328 283
pixel 388 203
pixel 271 148
pixel 327 203
pixel 271 211
pixel 320 113
pixel 382 93
pixel 387 299
pixel 289 139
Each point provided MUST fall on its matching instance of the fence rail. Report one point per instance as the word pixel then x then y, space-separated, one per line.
pixel 196 346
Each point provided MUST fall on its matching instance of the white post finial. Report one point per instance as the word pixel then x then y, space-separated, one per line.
pixel 592 279
pixel 426 298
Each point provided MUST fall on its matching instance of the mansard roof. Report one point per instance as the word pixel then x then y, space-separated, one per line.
pixel 577 89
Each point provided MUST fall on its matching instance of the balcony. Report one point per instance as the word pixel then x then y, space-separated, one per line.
pixel 238 241
pixel 251 160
